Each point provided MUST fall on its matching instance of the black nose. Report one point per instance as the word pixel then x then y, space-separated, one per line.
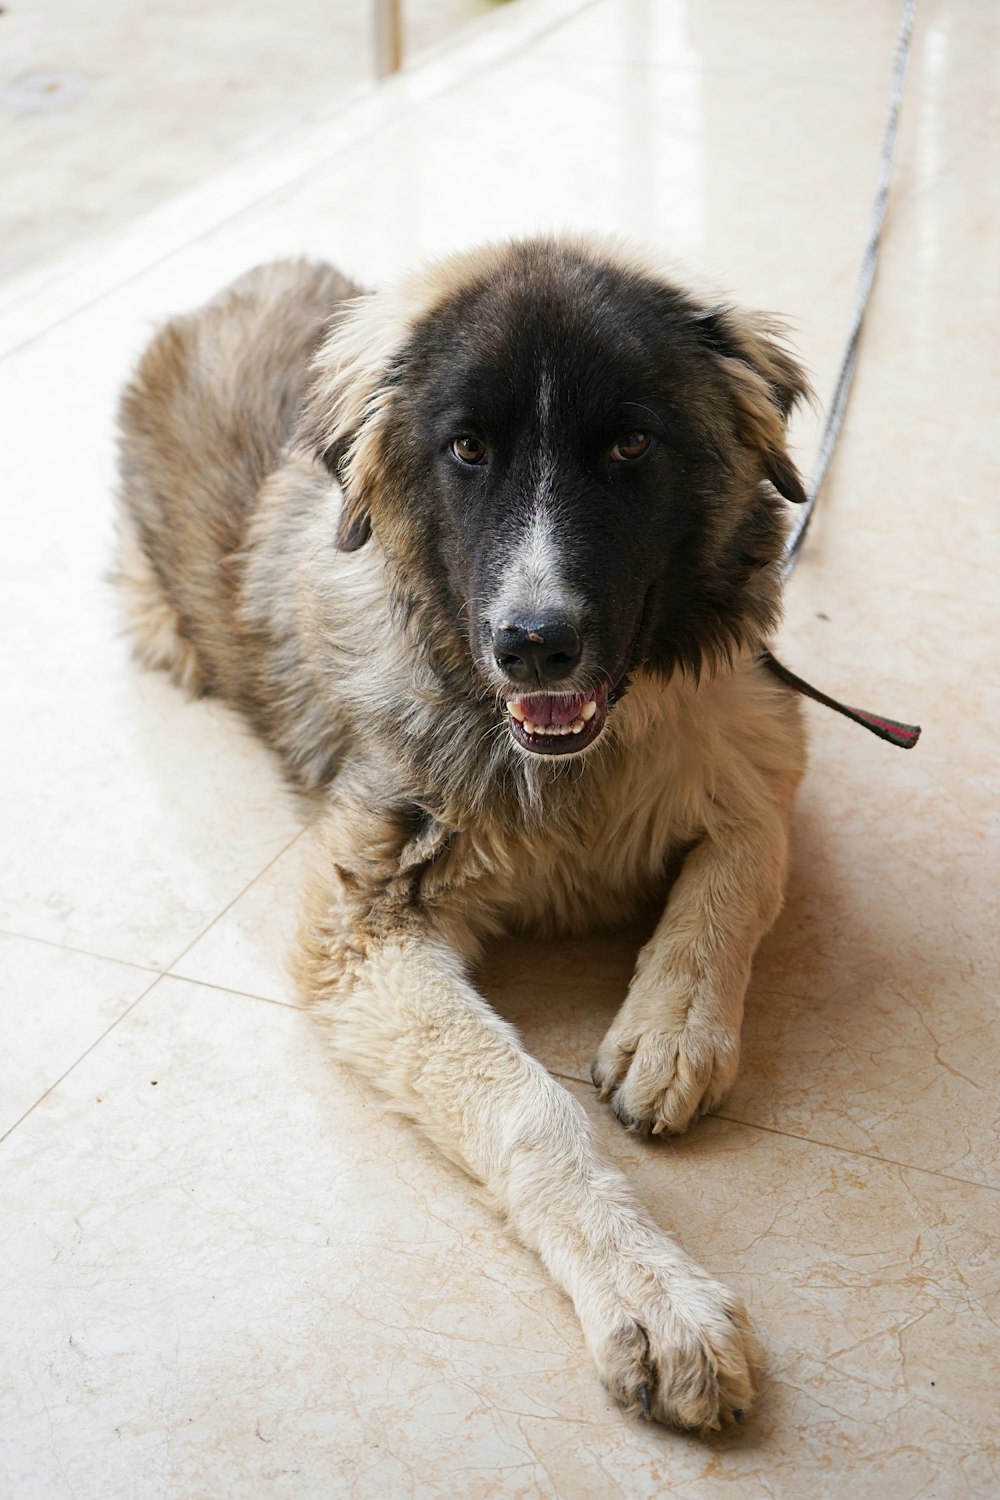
pixel 536 649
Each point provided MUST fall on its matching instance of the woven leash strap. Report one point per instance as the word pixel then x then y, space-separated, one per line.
pixel 903 735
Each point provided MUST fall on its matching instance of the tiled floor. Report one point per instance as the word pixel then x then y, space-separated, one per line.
pixel 226 1271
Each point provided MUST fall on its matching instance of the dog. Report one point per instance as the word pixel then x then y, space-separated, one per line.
pixel 489 558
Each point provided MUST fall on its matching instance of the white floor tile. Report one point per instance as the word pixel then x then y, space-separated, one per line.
pixel 56 1004
pixel 133 818
pixel 228 1269
pixel 247 948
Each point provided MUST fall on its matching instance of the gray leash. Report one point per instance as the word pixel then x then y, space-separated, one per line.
pixel 866 278
pixel 893 730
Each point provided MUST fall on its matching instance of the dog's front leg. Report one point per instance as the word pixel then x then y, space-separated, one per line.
pixel 672 1051
pixel 667 1339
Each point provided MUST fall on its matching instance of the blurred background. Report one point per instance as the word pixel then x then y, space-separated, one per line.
pixel 107 109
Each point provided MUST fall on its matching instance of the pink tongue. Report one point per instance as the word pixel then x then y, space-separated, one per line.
pixel 544 709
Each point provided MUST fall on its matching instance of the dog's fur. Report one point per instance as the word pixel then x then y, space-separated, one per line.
pixel 300 536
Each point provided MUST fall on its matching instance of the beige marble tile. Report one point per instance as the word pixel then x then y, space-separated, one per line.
pixel 872 1016
pixel 873 1288
pixel 134 818
pixel 248 946
pixel 56 1004
pixel 235 1271
pixel 910 506
pixel 759 38
pixel 131 818
pixel 871 1019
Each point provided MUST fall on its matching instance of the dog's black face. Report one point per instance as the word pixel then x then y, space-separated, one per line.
pixel 577 452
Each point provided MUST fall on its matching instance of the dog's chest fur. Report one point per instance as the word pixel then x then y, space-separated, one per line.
pixel 600 839
pixel 426 788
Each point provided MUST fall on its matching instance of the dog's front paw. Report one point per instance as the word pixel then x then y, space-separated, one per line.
pixel 673 1346
pixel 661 1078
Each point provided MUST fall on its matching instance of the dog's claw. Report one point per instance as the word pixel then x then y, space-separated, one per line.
pixel 603 1089
pixel 632 1125
pixel 643 1394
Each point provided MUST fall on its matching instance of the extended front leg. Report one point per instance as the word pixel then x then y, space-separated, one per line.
pixel 673 1050
pixel 667 1339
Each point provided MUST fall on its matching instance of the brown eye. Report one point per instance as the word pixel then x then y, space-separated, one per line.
pixel 630 447
pixel 471 450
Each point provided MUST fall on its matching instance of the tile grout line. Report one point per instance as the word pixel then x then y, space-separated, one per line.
pixel 156 976
pixel 808 1140
pixel 887 1161
pixel 167 971
pixel 104 958
pixel 225 989
pixel 287 1005
pixel 83 1055
pixel 164 971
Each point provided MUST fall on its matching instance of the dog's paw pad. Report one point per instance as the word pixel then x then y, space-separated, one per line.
pixel 672 1370
pixel 663 1079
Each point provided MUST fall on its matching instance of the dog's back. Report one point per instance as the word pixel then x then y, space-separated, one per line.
pixel 203 423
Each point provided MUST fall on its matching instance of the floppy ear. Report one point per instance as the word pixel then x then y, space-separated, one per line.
pixel 353 529
pixel 354 526
pixel 766 383
pixel 347 407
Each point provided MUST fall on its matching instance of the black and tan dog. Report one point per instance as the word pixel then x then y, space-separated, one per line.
pixel 489 560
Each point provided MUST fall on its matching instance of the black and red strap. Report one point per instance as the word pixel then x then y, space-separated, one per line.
pixel 903 735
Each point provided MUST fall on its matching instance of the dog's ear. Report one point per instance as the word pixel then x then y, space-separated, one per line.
pixel 354 525
pixel 346 411
pixel 353 529
pixel 765 381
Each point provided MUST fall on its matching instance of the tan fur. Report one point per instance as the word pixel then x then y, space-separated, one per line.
pixel 433 839
pixel 151 620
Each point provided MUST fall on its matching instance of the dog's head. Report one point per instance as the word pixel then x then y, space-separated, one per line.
pixel 573 466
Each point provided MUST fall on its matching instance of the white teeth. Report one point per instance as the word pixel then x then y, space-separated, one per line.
pixel 552 731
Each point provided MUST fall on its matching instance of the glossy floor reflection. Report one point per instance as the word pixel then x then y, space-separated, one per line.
pixel 108 110
pixel 226 1269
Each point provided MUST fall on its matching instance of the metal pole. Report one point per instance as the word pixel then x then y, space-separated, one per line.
pixel 388 37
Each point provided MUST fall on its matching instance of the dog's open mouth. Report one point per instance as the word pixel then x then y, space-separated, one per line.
pixel 558 723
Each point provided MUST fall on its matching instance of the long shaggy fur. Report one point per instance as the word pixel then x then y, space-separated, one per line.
pixel 298 537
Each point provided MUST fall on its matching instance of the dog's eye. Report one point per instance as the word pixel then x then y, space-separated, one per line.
pixel 470 449
pixel 630 446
